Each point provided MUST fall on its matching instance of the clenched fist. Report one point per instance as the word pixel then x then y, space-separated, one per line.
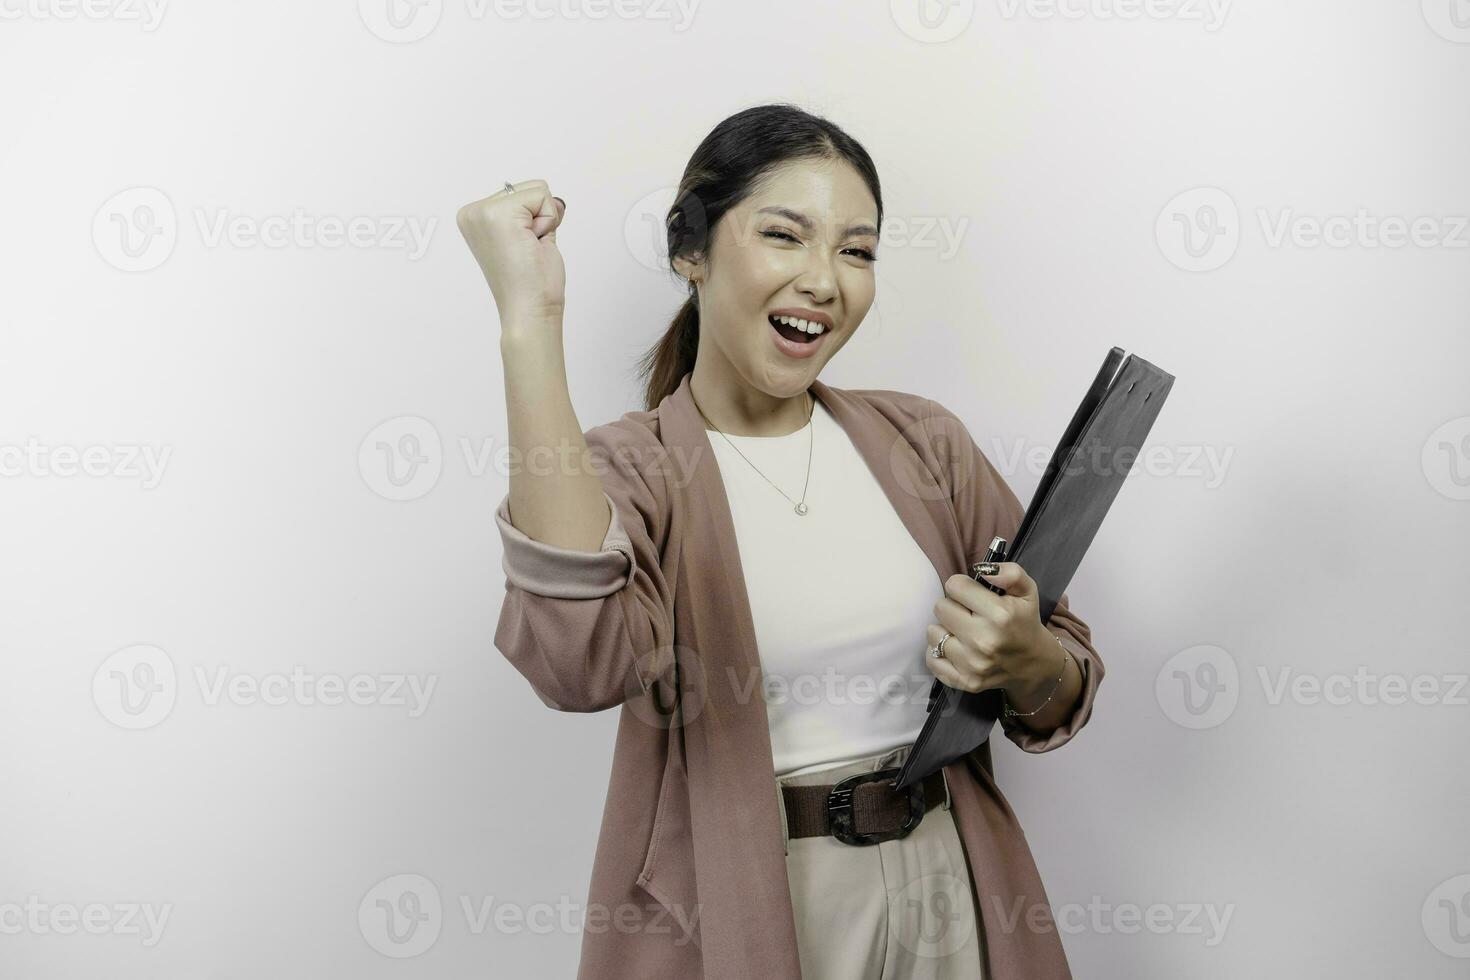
pixel 513 237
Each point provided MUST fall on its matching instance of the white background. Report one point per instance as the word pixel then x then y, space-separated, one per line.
pixel 1326 381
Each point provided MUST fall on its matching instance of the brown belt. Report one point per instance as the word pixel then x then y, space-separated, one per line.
pixel 863 808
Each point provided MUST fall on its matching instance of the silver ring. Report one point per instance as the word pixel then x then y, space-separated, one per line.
pixel 937 651
pixel 509 187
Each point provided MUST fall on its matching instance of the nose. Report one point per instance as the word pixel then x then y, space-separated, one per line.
pixel 817 279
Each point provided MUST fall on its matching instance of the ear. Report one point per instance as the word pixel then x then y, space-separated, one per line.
pixel 689 268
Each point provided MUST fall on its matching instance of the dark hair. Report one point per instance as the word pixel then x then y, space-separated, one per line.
pixel 726 168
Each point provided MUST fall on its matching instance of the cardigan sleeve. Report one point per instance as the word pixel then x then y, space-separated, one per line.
pixel 985 506
pixel 590 629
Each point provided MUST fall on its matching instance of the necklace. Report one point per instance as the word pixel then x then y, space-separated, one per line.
pixel 801 507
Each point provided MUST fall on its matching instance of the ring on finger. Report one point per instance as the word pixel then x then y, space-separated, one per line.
pixel 937 650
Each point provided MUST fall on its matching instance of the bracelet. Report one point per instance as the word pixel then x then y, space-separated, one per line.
pixel 1013 713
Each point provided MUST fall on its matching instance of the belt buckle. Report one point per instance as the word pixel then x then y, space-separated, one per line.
pixel 840 816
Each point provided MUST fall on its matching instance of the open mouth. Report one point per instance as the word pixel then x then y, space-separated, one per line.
pixel 793 333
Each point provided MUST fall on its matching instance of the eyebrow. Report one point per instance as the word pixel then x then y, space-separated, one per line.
pixel 806 223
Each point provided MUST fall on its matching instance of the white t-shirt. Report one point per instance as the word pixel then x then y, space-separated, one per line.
pixel 840 597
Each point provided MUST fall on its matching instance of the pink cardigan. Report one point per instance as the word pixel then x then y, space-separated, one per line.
pixel 689 879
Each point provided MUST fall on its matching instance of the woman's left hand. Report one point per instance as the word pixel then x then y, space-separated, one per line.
pixel 998 640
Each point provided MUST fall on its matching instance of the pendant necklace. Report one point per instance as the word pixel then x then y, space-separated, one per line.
pixel 801 508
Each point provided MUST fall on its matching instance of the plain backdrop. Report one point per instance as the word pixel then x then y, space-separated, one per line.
pixel 252 429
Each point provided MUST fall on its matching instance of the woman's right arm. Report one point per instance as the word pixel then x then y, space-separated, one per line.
pixel 587 617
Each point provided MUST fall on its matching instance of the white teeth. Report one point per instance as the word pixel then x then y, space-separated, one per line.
pixel 807 325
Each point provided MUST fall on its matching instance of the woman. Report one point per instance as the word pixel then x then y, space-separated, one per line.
pixel 740 564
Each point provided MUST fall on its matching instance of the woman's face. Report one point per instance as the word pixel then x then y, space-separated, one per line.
pixel 802 243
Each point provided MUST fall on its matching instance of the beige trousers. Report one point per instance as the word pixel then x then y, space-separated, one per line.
pixel 896 910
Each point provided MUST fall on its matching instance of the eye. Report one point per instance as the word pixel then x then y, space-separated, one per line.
pixel 863 253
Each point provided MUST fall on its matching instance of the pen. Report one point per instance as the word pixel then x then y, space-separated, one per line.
pixel 996 552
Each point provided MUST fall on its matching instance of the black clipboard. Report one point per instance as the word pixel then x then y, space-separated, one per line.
pixel 1083 476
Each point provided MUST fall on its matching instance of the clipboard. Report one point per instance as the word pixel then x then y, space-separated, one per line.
pixel 1082 478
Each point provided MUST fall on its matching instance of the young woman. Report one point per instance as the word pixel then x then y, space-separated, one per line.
pixel 767 573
